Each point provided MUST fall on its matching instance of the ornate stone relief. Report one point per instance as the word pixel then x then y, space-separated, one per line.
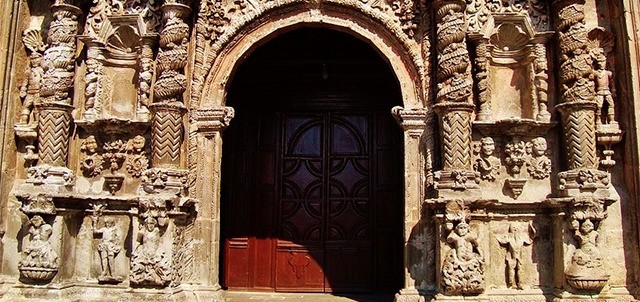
pixel 462 270
pixel 110 244
pixel 515 242
pixel 533 155
pixel 114 154
pixel 150 266
pixel 25 128
pixel 479 12
pixel 219 21
pixel 39 260
pixel 587 272
pixel 487 164
pixel 510 47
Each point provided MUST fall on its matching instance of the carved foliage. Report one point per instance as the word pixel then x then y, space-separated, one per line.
pixel 113 154
pixel 533 154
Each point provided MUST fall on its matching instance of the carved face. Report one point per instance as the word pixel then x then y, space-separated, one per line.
pixel 91 145
pixel 109 222
pixel 150 224
pixel 488 146
pixel 138 143
pixel 37 221
pixel 539 146
pixel 462 229
pixel 587 226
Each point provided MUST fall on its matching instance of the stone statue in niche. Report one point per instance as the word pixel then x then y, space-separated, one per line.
pixel 603 79
pixel 462 271
pixel 108 248
pixel 539 164
pixel 514 242
pixel 39 260
pixel 488 164
pixel 149 265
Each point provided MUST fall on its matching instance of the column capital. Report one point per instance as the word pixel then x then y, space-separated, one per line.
pixel 209 121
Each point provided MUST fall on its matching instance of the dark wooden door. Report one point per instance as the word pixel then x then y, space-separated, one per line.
pixel 312 170
pixel 315 203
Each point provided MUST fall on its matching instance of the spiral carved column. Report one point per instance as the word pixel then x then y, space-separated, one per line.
pixel 454 93
pixel 168 109
pixel 54 111
pixel 578 105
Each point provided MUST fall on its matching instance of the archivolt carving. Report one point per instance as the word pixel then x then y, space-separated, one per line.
pixel 220 20
pixel 480 11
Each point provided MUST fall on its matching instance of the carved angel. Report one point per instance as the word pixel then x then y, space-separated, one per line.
pixel 514 242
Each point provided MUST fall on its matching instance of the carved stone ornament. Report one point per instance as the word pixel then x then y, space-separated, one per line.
pixel 157 180
pixel 587 271
pixel 479 12
pixel 36 204
pixel 50 175
pixel 110 244
pixel 538 164
pixel 113 154
pixel 487 164
pixel 150 266
pixel 30 90
pixel 219 21
pixel 462 269
pixel 39 260
pixel 515 242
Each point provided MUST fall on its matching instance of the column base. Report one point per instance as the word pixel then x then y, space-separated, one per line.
pixel 409 295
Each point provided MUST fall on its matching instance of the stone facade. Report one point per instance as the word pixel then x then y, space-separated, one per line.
pixel 520 130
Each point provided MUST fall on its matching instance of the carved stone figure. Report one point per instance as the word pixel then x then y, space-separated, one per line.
pixel 515 242
pixel 39 260
pixel 603 79
pixel 463 271
pixel 149 265
pixel 30 91
pixel 108 248
pixel 487 164
pixel 539 165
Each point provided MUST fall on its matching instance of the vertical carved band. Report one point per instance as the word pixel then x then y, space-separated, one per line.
pixel 578 108
pixel 580 134
pixel 166 135
pixel 59 58
pixel 454 76
pixel 541 81
pixel 54 122
pixel 481 64
pixel 455 123
pixel 172 57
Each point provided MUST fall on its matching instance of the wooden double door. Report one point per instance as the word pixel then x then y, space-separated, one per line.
pixel 312 202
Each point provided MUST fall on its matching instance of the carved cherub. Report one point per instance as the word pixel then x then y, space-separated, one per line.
pixel 514 242
pixel 39 253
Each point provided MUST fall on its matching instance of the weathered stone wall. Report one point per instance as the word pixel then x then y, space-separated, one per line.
pixel 520 138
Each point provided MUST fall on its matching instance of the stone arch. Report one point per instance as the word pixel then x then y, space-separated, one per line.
pixel 406 65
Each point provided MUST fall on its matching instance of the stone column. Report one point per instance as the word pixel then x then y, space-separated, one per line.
pixel 454 98
pixel 481 62
pixel 578 105
pixel 208 124
pixel 167 126
pixel 417 168
pixel 54 110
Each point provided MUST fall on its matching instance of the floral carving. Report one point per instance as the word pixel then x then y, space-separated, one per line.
pixel 479 12
pixel 113 154
pixel 516 156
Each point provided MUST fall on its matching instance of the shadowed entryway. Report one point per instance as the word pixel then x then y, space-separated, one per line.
pixel 312 192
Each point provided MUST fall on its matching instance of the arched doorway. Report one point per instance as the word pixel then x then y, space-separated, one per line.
pixel 312 176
